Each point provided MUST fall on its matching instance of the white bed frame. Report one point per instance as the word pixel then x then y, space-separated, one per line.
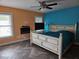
pixel 52 44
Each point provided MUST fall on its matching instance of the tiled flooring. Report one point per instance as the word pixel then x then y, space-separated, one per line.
pixel 23 50
pixel 72 53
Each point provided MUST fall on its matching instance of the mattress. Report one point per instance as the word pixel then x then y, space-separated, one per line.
pixel 67 36
pixel 57 34
pixel 54 34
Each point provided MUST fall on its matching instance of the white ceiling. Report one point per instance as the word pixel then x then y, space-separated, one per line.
pixel 26 4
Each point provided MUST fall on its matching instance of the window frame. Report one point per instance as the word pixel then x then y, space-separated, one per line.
pixel 11 26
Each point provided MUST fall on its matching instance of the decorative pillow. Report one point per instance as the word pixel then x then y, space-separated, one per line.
pixel 53 28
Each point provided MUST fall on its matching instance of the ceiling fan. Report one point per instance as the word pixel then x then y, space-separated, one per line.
pixel 44 5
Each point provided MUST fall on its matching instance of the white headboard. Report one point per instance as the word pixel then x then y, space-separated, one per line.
pixel 53 27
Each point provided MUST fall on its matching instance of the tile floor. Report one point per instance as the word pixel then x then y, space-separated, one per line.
pixel 23 50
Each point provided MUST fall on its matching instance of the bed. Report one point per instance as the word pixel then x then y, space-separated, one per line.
pixel 57 40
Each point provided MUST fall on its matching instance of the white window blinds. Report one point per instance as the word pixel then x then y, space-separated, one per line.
pixel 5 25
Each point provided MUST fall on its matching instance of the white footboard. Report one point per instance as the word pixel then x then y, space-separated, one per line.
pixel 52 44
pixel 60 46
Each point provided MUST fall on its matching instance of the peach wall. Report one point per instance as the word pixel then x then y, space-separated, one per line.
pixel 20 17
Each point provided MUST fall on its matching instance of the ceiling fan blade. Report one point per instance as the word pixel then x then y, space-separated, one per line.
pixel 49 7
pixel 35 6
pixel 52 4
pixel 41 1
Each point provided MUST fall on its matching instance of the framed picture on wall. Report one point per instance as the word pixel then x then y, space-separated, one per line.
pixel 38 19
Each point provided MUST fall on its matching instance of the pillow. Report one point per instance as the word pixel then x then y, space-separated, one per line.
pixel 53 28
pixel 41 30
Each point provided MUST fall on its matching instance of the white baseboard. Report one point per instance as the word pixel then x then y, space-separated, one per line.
pixel 12 42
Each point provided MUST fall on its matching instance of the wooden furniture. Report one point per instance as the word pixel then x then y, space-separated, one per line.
pixel 50 43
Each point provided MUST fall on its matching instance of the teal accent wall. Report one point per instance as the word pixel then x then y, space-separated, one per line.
pixel 65 16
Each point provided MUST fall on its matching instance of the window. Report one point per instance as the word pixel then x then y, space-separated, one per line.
pixel 38 19
pixel 5 25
